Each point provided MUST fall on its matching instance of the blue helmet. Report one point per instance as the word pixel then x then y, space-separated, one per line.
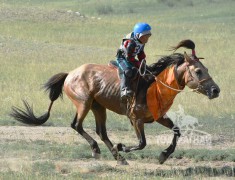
pixel 141 29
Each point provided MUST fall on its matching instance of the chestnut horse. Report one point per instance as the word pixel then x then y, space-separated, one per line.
pixel 97 88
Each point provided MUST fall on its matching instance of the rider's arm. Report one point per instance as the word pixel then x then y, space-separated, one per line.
pixel 129 46
pixel 141 56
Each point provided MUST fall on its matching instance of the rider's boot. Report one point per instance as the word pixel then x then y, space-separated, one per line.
pixel 126 91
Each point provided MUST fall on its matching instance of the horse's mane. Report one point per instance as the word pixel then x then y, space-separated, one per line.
pixel 165 61
pixel 175 58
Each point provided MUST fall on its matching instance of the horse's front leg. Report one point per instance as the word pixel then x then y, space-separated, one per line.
pixel 167 122
pixel 139 129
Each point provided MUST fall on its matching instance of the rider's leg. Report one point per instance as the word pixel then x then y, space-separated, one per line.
pixel 126 77
pixel 126 90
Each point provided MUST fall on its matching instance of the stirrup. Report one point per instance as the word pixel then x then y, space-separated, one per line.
pixel 126 94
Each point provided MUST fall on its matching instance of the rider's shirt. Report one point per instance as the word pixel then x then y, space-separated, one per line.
pixel 133 47
pixel 159 97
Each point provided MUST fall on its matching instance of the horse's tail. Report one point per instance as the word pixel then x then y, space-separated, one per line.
pixel 54 85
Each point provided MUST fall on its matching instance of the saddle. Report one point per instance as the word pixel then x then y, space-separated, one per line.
pixel 113 64
pixel 134 81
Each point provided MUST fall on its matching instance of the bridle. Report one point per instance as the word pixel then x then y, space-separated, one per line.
pixel 199 85
pixel 197 89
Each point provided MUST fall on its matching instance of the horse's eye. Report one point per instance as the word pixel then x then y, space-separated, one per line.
pixel 198 72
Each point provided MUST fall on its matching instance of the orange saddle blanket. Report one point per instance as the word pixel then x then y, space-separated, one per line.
pixel 160 97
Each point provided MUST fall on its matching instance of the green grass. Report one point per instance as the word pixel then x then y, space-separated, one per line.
pixel 73 152
pixel 189 173
pixel 206 155
pixel 41 39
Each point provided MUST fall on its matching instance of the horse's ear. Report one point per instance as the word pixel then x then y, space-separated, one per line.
pixel 187 58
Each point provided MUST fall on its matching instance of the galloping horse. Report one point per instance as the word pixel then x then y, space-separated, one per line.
pixel 97 88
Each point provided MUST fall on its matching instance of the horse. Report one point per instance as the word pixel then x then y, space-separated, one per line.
pixel 96 87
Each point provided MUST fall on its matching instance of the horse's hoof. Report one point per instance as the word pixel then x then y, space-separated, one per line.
pixel 95 155
pixel 122 162
pixel 162 158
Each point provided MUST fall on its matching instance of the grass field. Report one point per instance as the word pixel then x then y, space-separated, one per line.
pixel 39 38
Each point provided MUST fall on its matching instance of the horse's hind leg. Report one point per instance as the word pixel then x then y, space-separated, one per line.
pixel 100 119
pixel 77 125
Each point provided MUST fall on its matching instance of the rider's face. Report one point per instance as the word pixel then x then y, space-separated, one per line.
pixel 144 39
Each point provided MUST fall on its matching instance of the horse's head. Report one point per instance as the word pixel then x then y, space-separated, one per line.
pixel 196 77
pixel 194 74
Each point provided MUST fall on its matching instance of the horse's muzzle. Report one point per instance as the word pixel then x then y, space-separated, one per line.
pixel 214 92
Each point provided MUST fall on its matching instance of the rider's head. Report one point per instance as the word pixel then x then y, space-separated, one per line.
pixel 142 31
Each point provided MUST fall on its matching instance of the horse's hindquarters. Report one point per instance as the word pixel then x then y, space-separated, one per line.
pixel 92 82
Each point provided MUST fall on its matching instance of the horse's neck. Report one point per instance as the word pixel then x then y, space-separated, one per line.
pixel 145 83
pixel 180 74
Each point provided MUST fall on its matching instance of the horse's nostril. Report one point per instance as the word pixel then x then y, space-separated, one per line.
pixel 214 90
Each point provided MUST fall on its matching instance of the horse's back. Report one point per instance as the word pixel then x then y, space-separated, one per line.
pixel 91 73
